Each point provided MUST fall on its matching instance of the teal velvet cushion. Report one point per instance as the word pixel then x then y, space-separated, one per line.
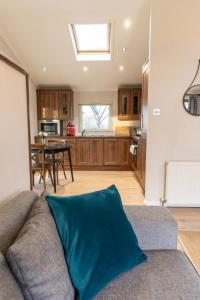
pixel 98 240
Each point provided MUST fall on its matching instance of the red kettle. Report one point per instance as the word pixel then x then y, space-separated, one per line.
pixel 70 129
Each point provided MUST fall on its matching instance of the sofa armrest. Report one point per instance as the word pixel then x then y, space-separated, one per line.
pixel 155 227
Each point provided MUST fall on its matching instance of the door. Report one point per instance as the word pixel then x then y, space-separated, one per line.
pixel 96 151
pixel 66 105
pixel 83 151
pixel 112 149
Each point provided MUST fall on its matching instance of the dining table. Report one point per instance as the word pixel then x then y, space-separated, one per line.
pixel 53 149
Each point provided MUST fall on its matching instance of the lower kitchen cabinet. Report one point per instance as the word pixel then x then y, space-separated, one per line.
pixel 89 152
pixel 117 151
pixel 83 151
pixel 103 152
pixel 71 142
pixel 125 152
pixel 112 149
pixel 96 152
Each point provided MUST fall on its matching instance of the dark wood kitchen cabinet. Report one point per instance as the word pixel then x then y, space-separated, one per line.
pixel 65 105
pixel 112 147
pixel 125 152
pixel 83 151
pixel 72 142
pixel 96 151
pixel 47 104
pixel 129 103
pixel 117 151
pixel 89 152
pixel 55 104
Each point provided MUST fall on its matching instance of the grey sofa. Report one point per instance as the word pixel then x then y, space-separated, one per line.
pixel 167 274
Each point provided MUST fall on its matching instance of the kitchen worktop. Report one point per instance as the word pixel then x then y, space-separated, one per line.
pixel 85 136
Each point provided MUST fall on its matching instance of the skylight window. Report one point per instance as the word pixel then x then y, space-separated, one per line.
pixel 91 41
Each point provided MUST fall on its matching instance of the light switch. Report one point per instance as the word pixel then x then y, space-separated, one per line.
pixel 156 112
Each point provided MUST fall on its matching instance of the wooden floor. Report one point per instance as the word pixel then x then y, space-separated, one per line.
pixel 188 219
pixel 89 181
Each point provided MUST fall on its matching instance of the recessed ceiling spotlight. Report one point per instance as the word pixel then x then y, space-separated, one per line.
pixel 124 50
pixel 44 69
pixel 85 69
pixel 121 68
pixel 127 23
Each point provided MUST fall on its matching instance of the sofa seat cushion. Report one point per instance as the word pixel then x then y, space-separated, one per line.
pixel 165 275
pixel 9 289
pixel 37 259
pixel 155 227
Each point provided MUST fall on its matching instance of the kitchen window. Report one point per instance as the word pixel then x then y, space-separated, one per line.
pixel 95 117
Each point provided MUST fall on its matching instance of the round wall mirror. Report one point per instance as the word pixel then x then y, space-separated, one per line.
pixel 191 100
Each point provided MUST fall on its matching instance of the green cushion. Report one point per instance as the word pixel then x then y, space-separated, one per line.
pixel 98 240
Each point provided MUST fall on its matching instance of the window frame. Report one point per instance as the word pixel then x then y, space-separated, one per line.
pixel 95 51
pixel 110 129
pixel 91 55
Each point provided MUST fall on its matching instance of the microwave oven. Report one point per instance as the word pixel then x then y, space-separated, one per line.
pixel 51 127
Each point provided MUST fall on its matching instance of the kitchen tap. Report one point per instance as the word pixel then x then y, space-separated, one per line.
pixel 83 132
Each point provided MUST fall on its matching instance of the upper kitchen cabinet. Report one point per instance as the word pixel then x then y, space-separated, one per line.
pixel 55 104
pixel 47 104
pixel 66 105
pixel 129 103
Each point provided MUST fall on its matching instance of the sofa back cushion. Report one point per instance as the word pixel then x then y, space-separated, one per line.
pixel 99 241
pixel 9 290
pixel 13 214
pixel 37 258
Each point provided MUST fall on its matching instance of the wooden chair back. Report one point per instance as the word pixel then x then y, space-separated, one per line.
pixel 37 153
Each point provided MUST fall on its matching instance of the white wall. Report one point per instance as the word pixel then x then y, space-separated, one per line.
pixel 111 97
pixel 174 54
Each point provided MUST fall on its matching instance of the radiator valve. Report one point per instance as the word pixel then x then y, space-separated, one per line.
pixel 163 201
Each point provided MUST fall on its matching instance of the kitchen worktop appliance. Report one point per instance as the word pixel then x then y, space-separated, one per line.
pixel 51 127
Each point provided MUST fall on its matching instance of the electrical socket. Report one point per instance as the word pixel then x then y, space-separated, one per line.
pixel 156 112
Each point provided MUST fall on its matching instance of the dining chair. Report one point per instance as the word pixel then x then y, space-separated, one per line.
pixel 39 164
pixel 60 157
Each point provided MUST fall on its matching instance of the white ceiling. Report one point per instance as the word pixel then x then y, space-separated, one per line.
pixel 37 32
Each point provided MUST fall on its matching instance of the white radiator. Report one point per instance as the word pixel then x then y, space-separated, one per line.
pixel 182 183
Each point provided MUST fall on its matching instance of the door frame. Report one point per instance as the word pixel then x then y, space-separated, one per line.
pixel 22 71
